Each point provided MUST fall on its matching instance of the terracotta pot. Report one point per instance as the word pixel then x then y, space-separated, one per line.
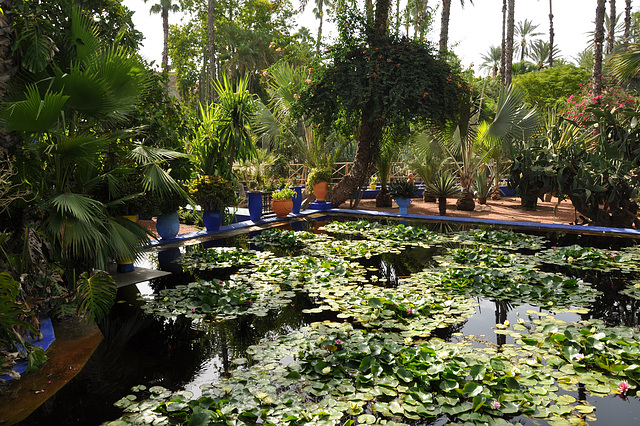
pixel 281 207
pixel 320 190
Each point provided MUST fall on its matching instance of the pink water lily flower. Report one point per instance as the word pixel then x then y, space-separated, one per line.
pixel 495 405
pixel 623 387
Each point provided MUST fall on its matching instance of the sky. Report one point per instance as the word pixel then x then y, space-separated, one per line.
pixel 472 29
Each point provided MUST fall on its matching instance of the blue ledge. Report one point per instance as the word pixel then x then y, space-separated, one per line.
pixel 579 229
pixel 48 336
pixel 552 227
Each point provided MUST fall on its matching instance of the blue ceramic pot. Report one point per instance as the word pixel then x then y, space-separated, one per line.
pixel 297 199
pixel 403 203
pixel 168 225
pixel 212 220
pixel 255 205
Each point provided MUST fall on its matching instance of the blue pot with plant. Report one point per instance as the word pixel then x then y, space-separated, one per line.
pixel 213 194
pixel 402 192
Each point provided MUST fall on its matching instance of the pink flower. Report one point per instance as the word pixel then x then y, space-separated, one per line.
pixel 495 405
pixel 308 81
pixel 411 311
pixel 623 387
pixel 338 342
pixel 406 238
pixel 579 357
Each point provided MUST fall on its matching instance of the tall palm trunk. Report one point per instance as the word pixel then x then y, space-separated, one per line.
pixel 611 36
pixel 503 51
pixel 211 45
pixel 509 53
pixel 370 133
pixel 598 38
pixel 320 6
pixel 627 21
pixel 165 40
pixel 551 34
pixel 444 25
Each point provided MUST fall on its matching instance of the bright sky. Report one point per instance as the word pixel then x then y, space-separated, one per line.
pixel 472 29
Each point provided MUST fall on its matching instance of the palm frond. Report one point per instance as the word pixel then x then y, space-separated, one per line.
pixel 35 113
pixel 78 206
pixel 84 33
pixel 143 154
pixel 626 65
pixel 95 295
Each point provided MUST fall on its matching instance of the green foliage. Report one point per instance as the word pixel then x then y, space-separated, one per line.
pixel 212 193
pixel 319 175
pixel 225 132
pixel 602 180
pixel 95 295
pixel 443 185
pixel 12 311
pixel 399 81
pixel 401 188
pixel 551 87
pixel 285 193
pixel 216 257
pixel 533 173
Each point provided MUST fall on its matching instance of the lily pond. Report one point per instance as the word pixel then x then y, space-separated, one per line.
pixel 361 323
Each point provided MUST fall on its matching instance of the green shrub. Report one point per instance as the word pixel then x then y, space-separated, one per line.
pixel 319 175
pixel 212 193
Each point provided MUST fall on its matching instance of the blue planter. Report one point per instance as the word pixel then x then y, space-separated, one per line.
pixel 212 220
pixel 168 225
pixel 297 199
pixel 255 205
pixel 403 203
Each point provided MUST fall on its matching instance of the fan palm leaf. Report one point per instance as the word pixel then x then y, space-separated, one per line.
pixel 34 114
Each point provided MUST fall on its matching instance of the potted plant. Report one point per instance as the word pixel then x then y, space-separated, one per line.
pixel 282 201
pixel 402 192
pixel 212 194
pixel 168 220
pixel 442 186
pixel 318 181
pixel 373 182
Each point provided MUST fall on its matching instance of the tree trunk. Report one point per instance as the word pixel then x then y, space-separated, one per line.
pixel 597 49
pixel 627 21
pixel 509 54
pixel 503 51
pixel 211 75
pixel 444 25
pixel 165 41
pixel 551 34
pixel 611 36
pixel 442 206
pixel 370 134
pixel 369 139
pixel 321 13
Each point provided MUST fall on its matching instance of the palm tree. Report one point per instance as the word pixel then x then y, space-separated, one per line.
pixel 539 53
pixel 163 8
pixel 525 30
pixel 492 59
pixel 508 69
pixel 627 21
pixel 551 35
pixel 611 34
pixel 598 38
pixel 318 11
pixel 503 49
pixel 75 125
pixel 444 23
pixel 211 50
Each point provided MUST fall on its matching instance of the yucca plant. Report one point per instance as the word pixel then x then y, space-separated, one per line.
pixel 442 186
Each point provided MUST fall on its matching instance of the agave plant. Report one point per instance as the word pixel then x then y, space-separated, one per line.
pixel 442 186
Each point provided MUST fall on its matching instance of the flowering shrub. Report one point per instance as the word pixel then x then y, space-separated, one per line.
pixel 612 97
